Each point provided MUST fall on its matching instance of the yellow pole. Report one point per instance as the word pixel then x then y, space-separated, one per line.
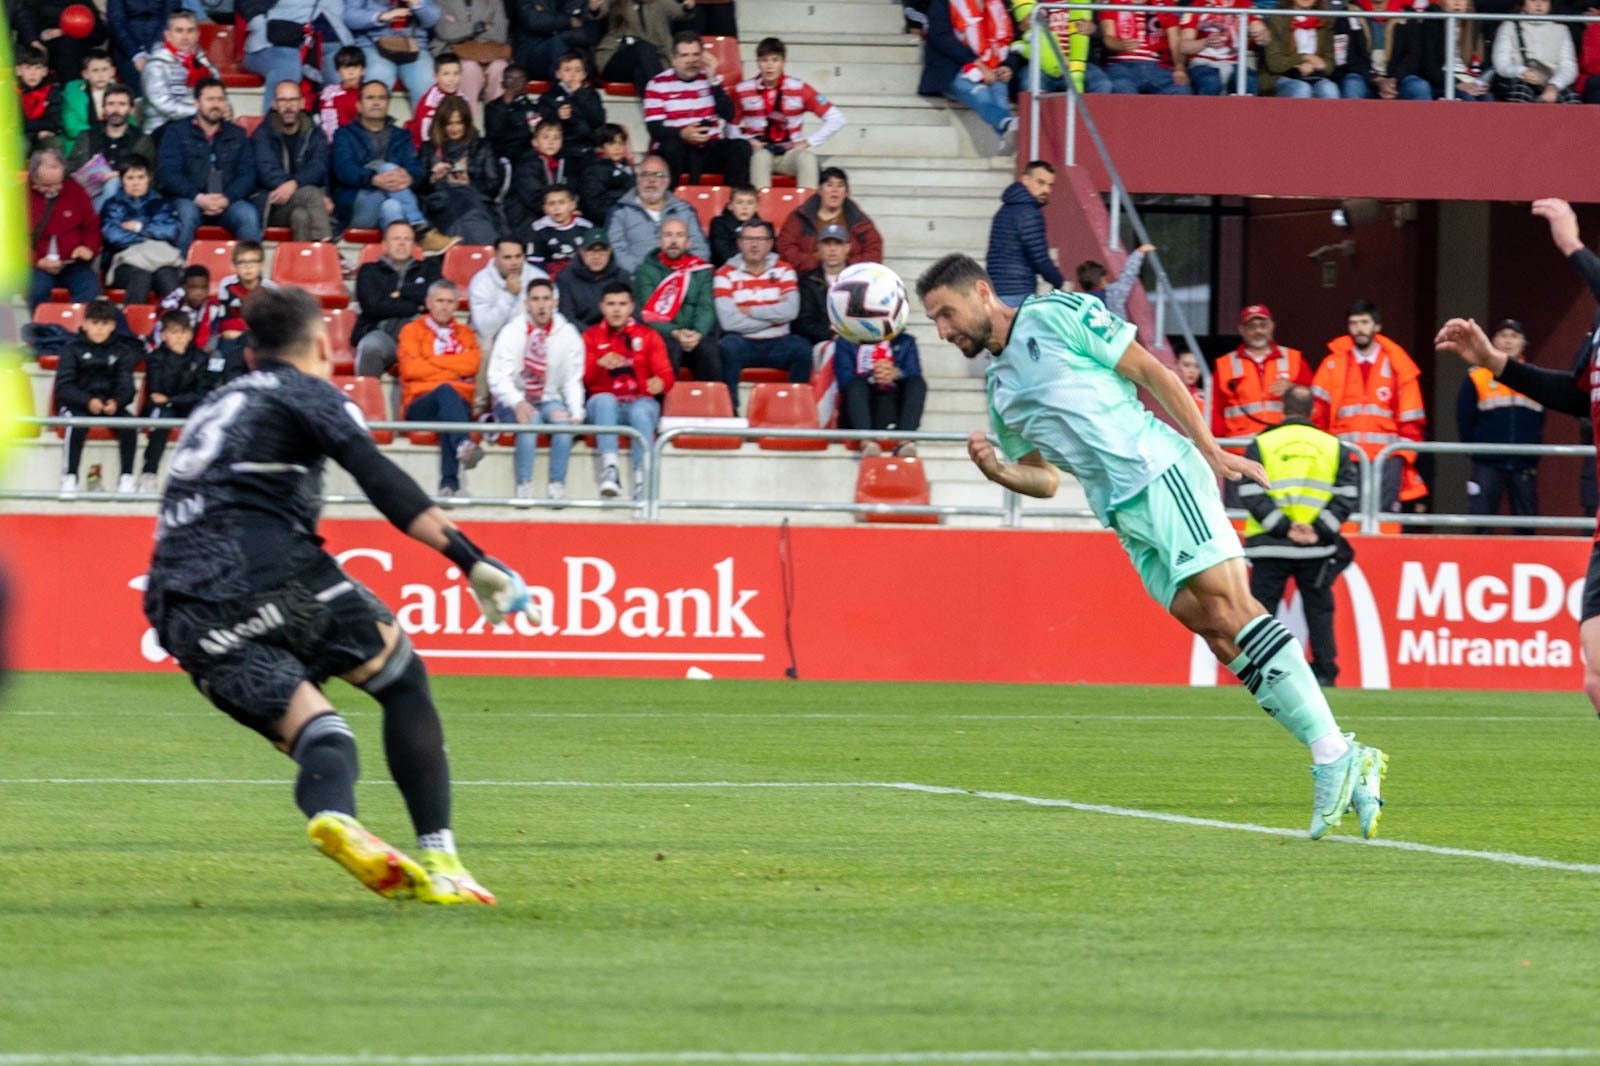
pixel 15 259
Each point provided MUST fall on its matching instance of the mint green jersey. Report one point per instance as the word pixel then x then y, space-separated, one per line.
pixel 1055 389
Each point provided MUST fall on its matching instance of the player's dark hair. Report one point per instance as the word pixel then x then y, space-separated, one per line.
pixel 743 190
pixel 1298 401
pixel 614 287
pixel 540 283
pixel 829 173
pixel 771 46
pixel 196 270
pixel 558 187
pixel 1038 164
pixel 100 309
pixel 685 37
pixel 176 320
pixel 1365 307
pixel 954 271
pixel 209 83
pixel 446 59
pixel 95 53
pixel 610 133
pixel 134 162
pixel 1091 275
pixel 282 322
pixel 116 88
pixel 349 56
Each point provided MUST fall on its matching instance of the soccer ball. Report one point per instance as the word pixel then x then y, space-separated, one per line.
pixel 868 304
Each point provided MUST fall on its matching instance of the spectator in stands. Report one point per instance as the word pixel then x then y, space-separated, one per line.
pixel 376 171
pixel 1187 365
pixel 438 366
pixel 172 387
pixel 1417 59
pixel 1299 55
pixel 880 387
pixel 195 301
pixel 1075 32
pixel 638 39
pixel 757 298
pixel 206 166
pixel 83 100
pixel 1142 53
pixel 1589 63
pixel 539 169
pixel 462 177
pixel 964 58
pixel 339 104
pixel 390 291
pixel 626 372
pixel 171 72
pixel 608 177
pixel 495 293
pixel 104 149
pixel 1209 41
pixel 536 378
pixel 685 110
pixel 1019 248
pixel 1248 383
pixel 1535 61
pixel 135 27
pixel 283 37
pixel 140 228
pixel 547 29
pixel 769 109
pixel 1352 53
pixel 585 281
pixel 553 242
pixel 1490 412
pixel 66 232
pixel 509 119
pixel 249 264
pixel 446 85
pixel 1092 280
pixel 292 167
pixel 1368 395
pixel 478 33
pixel 40 100
pixel 833 255
pixel 830 205
pixel 577 109
pixel 635 223
pixel 38 23
pixel 741 208
pixel 673 292
pixel 95 377
pixel 386 31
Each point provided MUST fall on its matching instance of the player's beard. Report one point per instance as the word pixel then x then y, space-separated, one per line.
pixel 977 333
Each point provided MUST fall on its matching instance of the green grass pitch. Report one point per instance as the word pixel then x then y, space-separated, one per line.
pixel 163 900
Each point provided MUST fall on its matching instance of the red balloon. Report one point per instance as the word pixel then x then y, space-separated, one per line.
pixel 77 21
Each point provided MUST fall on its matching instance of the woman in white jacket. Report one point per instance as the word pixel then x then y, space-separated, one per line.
pixel 536 377
pixel 1535 61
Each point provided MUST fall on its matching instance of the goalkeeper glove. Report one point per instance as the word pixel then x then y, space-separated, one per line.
pixel 499 590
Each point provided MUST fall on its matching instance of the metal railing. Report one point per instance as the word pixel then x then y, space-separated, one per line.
pixel 1373 514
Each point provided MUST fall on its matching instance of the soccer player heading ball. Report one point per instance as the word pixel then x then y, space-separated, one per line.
pixel 243 596
pixel 1062 395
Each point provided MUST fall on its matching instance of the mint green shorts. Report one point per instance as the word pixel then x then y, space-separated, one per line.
pixel 1176 528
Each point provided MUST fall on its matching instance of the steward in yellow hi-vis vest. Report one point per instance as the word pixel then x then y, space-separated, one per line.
pixel 1293 531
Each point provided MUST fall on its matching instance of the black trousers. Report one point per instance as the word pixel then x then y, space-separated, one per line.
pixel 687 161
pixel 637 62
pixel 863 407
pixel 127 440
pixel 704 362
pixel 157 445
pixel 1268 577
pixel 1518 484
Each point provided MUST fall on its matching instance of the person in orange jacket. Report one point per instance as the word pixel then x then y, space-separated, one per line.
pixel 438 361
pixel 1368 395
pixel 1247 384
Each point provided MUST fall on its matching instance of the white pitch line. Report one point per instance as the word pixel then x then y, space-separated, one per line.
pixel 919 716
pixel 1505 858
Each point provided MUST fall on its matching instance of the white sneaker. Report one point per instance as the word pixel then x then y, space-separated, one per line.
pixel 69 486
pixel 524 494
pixel 907 449
pixel 610 485
pixel 871 450
pixel 556 490
pixel 469 452
pixel 147 483
pixel 125 485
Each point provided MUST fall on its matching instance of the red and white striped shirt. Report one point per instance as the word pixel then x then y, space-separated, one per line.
pixel 1147 29
pixel 757 306
pixel 761 113
pixel 677 103
pixel 421 123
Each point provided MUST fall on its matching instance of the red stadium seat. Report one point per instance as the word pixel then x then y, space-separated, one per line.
pixel 764 375
pixel 707 201
pixel 215 256
pixel 776 205
pixel 220 46
pixel 371 253
pixel 340 322
pixel 141 319
pixel 785 406
pixel 313 266
pixel 538 88
pixel 248 123
pixel 362 236
pixel 700 399
pixel 729 65
pixel 279 234
pixel 619 88
pixel 892 480
pixel 367 394
pixel 68 316
pixel 461 261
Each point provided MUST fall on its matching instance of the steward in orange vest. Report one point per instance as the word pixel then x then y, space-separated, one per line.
pixel 1248 382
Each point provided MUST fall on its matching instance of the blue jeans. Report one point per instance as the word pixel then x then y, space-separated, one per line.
pixel 528 443
pixel 1216 81
pixel 240 219
pixel 444 404
pixel 1415 88
pixel 1143 76
pixel 375 209
pixel 992 102
pixel 1094 80
pixel 79 279
pixel 789 353
pixel 276 65
pixel 1298 89
pixel 642 413
pixel 1354 87
pixel 417 75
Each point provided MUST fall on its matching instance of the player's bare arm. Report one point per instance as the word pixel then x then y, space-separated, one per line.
pixel 1563 223
pixel 1032 475
pixel 1468 340
pixel 1145 370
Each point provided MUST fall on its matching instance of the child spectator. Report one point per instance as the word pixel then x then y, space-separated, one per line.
pixel 555 236
pixel 541 169
pixel 140 227
pixel 82 100
pixel 880 387
pixel 607 177
pixel 95 377
pixel 509 119
pixel 341 102
pixel 41 99
pixel 446 82
pixel 725 227
pixel 1535 61
pixel 576 107
pixel 172 378
pixel 1092 280
pixel 193 298
pixel 233 290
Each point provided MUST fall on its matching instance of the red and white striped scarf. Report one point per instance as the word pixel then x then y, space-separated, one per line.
pixel 534 362
pixel 869 355
pixel 445 341
pixel 666 301
pixel 983 26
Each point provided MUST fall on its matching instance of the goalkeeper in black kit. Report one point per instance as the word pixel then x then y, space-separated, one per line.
pixel 243 596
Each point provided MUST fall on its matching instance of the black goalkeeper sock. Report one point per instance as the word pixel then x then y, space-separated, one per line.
pixel 413 739
pixel 329 766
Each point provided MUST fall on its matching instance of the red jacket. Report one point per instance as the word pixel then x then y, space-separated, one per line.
pixel 73 222
pixel 640 346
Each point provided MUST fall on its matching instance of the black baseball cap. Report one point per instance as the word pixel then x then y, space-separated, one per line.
pixel 1510 323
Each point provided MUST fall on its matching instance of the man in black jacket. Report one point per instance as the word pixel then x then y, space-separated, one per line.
pixel 391 292
pixel 115 138
pixel 291 161
pixel 1019 248
pixel 582 284
pixel 95 377
pixel 204 165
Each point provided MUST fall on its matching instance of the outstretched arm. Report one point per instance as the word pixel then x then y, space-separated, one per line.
pixel 1557 390
pixel 1144 369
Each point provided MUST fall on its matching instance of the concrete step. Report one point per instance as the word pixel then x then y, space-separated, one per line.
pixel 797 17
pixel 888 136
pixel 886 74
pixel 904 231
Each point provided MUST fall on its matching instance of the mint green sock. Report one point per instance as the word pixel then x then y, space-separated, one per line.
pixel 1273 667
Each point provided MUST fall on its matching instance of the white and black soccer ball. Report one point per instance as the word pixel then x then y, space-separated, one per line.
pixel 868 303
